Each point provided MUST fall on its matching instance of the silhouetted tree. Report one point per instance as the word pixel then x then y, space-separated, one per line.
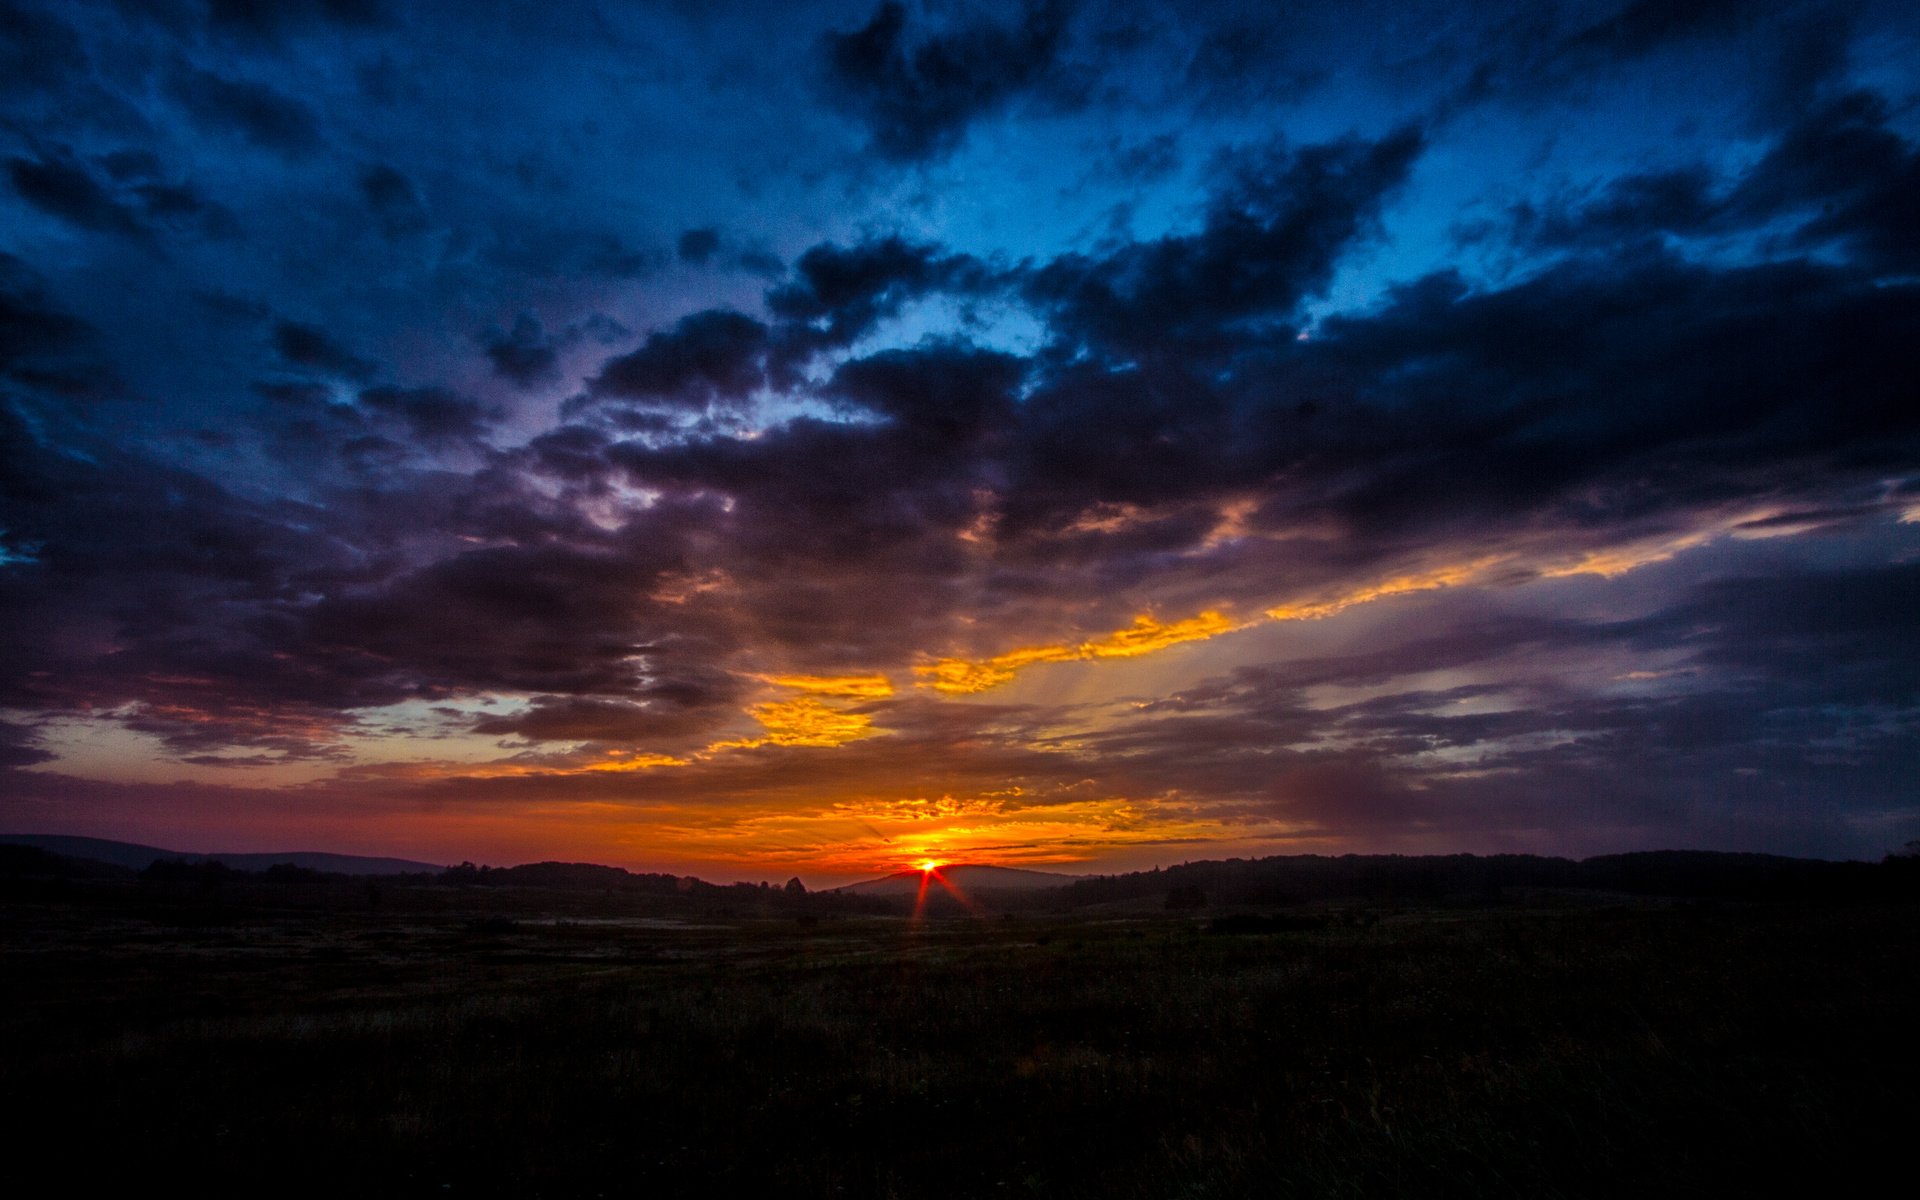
pixel 208 874
pixel 1902 868
pixel 1187 896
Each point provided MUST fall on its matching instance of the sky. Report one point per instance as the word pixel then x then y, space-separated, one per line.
pixel 811 438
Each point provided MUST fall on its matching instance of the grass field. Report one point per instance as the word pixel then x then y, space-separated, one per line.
pixel 1544 1046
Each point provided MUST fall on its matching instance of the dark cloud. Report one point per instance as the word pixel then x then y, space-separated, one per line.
pixel 1831 697
pixel 1853 178
pixel 31 324
pixel 1439 412
pixel 254 111
pixel 175 567
pixel 663 709
pixel 393 200
pixel 1547 55
pixel 134 199
pixel 1092 436
pixel 560 251
pixel 573 452
pixel 977 415
pixel 1146 161
pixel 557 619
pixel 181 205
pixel 260 627
pixel 18 746
pixel 44 348
pixel 63 188
pixel 714 357
pixel 1497 392
pixel 524 355
pixel 1809 60
pixel 699 245
pixel 847 290
pixel 762 262
pixel 431 414
pixel 950 395
pixel 314 348
pixel 917 97
pixel 1820 638
pixel 270 18
pixel 1272 236
pixel 1508 397
pixel 838 538
pixel 203 730
pixel 1836 178
pixel 1632 209
pixel 38 52
pixel 1249 60
pixel 1647 25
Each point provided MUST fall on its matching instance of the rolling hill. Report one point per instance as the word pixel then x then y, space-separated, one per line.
pixel 139 858
pixel 965 876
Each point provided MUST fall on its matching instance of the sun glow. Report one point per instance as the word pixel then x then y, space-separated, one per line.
pixel 929 876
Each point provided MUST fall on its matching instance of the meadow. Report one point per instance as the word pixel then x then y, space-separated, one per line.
pixel 433 1040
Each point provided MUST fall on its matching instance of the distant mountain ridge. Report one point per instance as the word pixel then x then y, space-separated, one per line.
pixel 1307 878
pixel 1279 880
pixel 139 858
pixel 966 877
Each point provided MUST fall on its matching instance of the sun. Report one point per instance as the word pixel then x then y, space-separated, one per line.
pixel 929 865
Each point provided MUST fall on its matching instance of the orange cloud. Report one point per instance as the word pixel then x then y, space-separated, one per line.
pixel 852 687
pixel 1421 581
pixel 961 676
pixel 807 720
pixel 638 762
pixel 964 676
pixel 1744 523
pixel 802 722
pixel 1619 560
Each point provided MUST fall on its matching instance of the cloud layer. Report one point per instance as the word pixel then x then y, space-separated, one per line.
pixel 1347 460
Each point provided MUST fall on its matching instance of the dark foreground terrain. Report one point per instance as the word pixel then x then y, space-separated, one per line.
pixel 439 1041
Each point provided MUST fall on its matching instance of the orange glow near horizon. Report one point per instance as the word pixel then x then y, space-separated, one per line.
pixel 826 711
pixel 930 874
pixel 877 836
pixel 844 776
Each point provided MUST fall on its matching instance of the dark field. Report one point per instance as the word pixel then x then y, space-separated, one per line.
pixel 436 1042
